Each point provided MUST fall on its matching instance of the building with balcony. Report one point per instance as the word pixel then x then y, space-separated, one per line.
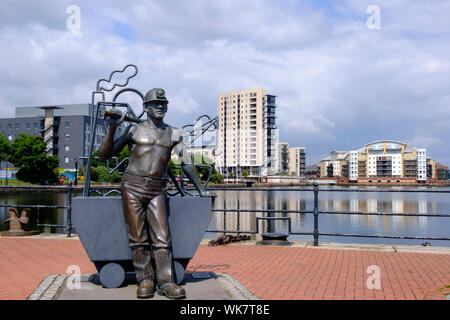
pixel 66 129
pixel 384 161
pixel 247 134
pixel 283 157
pixel 291 160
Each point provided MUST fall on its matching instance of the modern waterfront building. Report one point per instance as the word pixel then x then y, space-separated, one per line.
pixel 283 157
pixel 291 160
pixel 297 161
pixel 66 129
pixel 382 161
pixel 247 135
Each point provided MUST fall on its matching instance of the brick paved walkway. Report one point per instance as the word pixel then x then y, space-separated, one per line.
pixel 268 272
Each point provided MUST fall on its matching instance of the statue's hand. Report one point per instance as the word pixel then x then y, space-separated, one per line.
pixel 117 121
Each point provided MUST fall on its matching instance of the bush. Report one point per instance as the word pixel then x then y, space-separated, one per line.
pixel 104 176
pixel 216 178
pixel 94 174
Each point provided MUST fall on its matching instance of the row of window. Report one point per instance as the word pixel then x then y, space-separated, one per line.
pixel 251 94
pixel 28 125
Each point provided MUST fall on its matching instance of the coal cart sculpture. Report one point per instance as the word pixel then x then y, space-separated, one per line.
pixel 98 216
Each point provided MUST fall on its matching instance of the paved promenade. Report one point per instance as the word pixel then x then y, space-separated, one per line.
pixel 297 272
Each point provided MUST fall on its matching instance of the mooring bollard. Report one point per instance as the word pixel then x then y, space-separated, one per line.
pixel 316 214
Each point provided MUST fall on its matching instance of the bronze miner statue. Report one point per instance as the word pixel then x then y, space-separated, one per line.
pixel 144 192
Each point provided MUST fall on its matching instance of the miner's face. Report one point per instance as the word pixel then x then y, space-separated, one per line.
pixel 156 109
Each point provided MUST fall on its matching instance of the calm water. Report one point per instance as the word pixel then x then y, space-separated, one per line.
pixel 396 202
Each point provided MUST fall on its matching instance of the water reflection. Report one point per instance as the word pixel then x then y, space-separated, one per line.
pixel 346 222
pixel 348 202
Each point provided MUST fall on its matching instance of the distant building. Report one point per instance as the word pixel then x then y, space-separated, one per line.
pixel 283 157
pixel 297 164
pixel 291 160
pixel 312 172
pixel 247 135
pixel 66 129
pixel 382 161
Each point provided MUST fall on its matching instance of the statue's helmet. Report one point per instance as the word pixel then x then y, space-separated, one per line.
pixel 155 95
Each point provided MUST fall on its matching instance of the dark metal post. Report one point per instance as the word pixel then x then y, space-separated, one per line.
pixel 69 210
pixel 238 217
pixel 7 167
pixel 76 173
pixel 316 214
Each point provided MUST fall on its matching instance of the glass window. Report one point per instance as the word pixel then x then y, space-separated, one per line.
pixel 66 159
pixel 67 124
pixel 66 147
pixel 28 126
pixel 35 125
pixel 17 126
pixel 9 125
pixel 67 135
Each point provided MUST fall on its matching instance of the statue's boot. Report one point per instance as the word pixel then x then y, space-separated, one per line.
pixel 144 273
pixel 164 275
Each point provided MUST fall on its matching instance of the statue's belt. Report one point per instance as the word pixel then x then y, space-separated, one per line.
pixel 146 181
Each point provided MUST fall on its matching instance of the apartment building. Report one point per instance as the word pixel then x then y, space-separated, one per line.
pixel 382 161
pixel 291 160
pixel 247 134
pixel 297 161
pixel 283 157
pixel 66 129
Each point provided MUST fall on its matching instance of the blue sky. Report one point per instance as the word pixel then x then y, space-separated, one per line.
pixel 339 84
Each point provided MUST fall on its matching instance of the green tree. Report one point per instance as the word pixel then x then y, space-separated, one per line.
pixel 245 173
pixel 28 154
pixel 5 147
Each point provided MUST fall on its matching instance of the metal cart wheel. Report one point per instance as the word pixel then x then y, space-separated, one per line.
pixel 112 275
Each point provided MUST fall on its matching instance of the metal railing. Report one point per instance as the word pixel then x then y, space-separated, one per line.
pixel 316 212
pixel 68 225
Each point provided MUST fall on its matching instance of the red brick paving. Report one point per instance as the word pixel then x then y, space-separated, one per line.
pixel 268 272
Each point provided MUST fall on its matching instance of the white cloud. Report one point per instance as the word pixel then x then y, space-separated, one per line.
pixel 339 85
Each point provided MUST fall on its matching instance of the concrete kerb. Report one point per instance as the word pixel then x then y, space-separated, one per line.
pixel 55 286
pixel 49 287
pixel 297 244
pixel 351 246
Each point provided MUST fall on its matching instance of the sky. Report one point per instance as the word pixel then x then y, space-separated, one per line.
pixel 344 74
